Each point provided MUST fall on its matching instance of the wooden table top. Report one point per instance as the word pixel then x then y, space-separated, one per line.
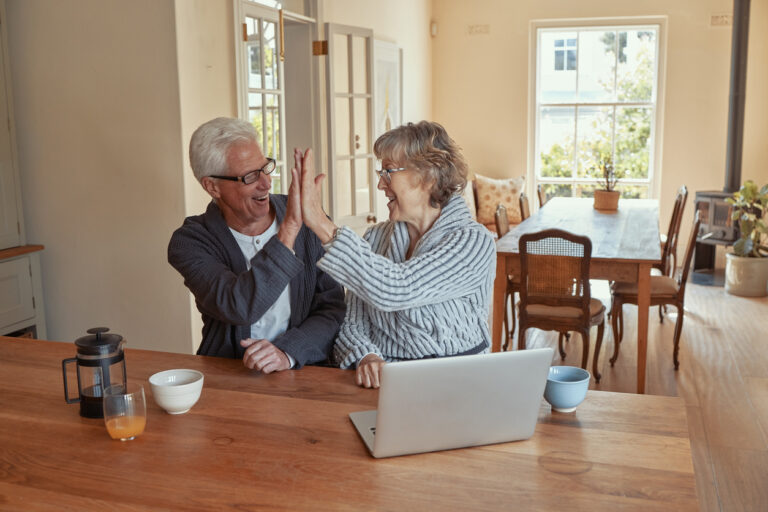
pixel 284 441
pixel 629 234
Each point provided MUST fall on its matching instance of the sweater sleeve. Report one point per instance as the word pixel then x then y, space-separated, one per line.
pixel 230 297
pixel 354 340
pixel 450 269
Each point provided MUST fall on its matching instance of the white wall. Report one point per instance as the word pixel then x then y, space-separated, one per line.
pixel 481 86
pixel 97 116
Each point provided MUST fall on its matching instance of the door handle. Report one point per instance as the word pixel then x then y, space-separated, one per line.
pixel 371 219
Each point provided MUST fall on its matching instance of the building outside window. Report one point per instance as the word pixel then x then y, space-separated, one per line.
pixel 596 99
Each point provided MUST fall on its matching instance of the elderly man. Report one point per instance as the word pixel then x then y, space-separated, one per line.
pixel 250 262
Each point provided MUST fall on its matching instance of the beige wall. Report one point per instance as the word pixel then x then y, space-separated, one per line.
pixel 97 115
pixel 481 85
pixel 207 89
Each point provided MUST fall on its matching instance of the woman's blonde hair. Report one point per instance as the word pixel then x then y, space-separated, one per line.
pixel 427 147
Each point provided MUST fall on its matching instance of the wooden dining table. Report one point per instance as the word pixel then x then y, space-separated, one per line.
pixel 625 246
pixel 284 442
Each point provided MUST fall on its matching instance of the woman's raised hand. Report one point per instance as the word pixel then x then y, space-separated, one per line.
pixel 311 198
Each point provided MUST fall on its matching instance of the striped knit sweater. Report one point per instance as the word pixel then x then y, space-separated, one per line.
pixel 434 304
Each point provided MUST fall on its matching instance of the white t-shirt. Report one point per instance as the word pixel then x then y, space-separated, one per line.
pixel 274 322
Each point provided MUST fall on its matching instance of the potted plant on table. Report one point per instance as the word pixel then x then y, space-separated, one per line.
pixel 746 268
pixel 607 198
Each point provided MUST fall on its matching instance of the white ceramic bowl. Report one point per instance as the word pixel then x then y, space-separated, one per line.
pixel 176 391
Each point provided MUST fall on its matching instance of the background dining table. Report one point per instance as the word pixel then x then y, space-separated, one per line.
pixel 284 442
pixel 625 246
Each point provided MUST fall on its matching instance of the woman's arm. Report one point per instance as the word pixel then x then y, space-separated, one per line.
pixel 452 268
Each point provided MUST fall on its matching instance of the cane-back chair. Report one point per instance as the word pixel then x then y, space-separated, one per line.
pixel 555 292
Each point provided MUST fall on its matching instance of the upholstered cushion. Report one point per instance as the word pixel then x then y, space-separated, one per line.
pixel 660 286
pixel 595 307
pixel 469 198
pixel 491 192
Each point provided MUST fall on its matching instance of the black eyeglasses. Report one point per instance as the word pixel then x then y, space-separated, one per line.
pixel 387 173
pixel 252 176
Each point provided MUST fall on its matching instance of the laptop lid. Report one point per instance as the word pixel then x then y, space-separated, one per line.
pixel 455 402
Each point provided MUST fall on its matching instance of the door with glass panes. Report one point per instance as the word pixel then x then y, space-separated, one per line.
pixel 349 75
pixel 265 105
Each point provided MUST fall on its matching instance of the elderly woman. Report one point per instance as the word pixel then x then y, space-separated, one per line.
pixel 419 284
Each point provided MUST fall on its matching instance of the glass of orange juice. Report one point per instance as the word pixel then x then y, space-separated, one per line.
pixel 125 411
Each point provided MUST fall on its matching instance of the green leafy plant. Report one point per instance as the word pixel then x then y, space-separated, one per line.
pixel 749 207
pixel 609 179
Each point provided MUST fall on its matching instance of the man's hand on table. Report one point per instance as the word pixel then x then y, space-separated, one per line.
pixel 368 372
pixel 264 356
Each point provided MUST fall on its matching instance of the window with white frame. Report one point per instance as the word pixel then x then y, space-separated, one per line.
pixel 596 93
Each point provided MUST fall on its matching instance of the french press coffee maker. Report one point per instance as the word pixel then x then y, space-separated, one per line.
pixel 100 364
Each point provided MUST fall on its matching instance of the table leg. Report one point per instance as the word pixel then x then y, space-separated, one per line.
pixel 499 307
pixel 643 307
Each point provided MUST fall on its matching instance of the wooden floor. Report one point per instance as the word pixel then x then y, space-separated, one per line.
pixel 723 378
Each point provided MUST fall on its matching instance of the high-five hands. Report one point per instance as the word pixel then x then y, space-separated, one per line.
pixel 311 197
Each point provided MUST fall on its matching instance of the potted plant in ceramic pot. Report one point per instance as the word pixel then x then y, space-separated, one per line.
pixel 746 268
pixel 606 198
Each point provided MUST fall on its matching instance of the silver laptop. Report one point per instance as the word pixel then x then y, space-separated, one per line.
pixel 455 402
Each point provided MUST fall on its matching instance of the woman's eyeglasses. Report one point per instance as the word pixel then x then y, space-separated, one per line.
pixel 386 173
pixel 252 176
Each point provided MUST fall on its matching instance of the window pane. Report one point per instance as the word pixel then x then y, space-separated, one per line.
pixel 270 55
pixel 595 131
pixel 559 60
pixel 633 133
pixel 633 191
pixel 556 125
pixel 342 127
pixel 596 66
pixel 340 63
pixel 557 84
pixel 584 190
pixel 362 138
pixel 637 62
pixel 343 188
pixel 272 110
pixel 556 190
pixel 276 181
pixel 255 116
pixel 571 60
pixel 254 53
pixel 363 196
pixel 359 65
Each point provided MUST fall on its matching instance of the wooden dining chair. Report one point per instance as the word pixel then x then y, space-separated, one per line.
pixel 665 290
pixel 541 194
pixel 502 228
pixel 555 292
pixel 668 265
pixel 525 208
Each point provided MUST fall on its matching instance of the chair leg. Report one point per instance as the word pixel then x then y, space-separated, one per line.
pixel 598 345
pixel 585 353
pixel 678 331
pixel 560 337
pixel 615 321
pixel 504 323
pixel 521 337
pixel 514 317
pixel 661 314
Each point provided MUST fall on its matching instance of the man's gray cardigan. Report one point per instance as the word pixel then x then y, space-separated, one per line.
pixel 231 297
